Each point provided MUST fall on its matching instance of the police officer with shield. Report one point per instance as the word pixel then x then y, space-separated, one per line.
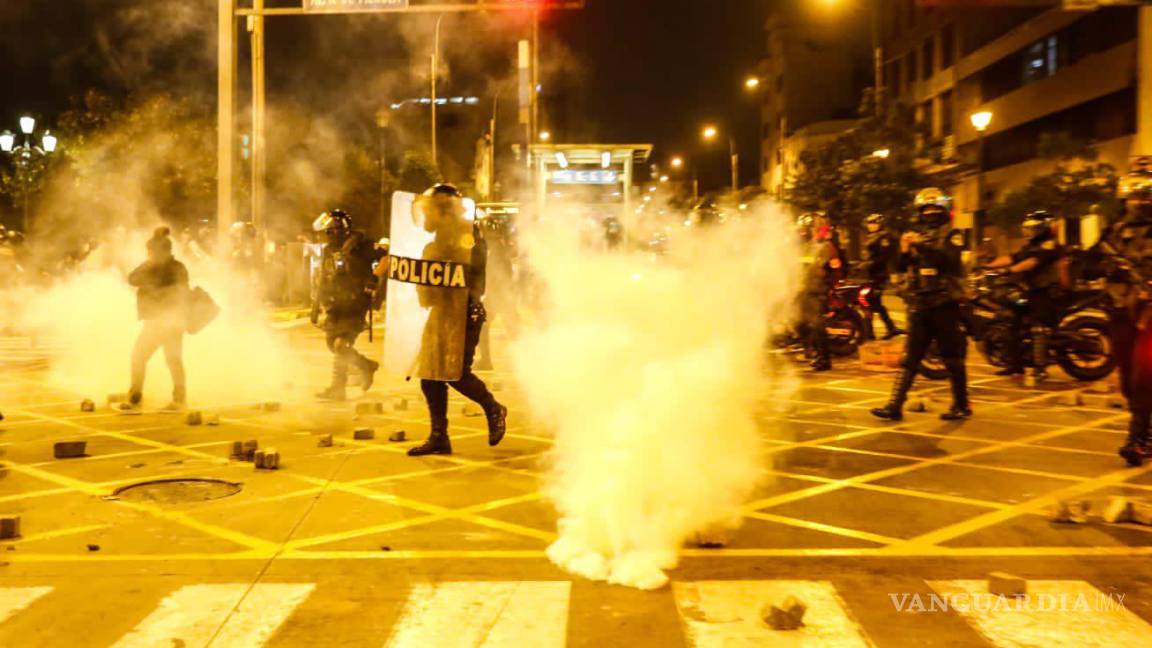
pixel 881 250
pixel 448 277
pixel 930 254
pixel 1123 257
pixel 1038 264
pixel 344 290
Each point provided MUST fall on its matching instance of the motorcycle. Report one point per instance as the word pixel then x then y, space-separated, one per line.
pixel 845 325
pixel 1080 344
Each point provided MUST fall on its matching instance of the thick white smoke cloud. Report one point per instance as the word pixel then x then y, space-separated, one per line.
pixel 649 372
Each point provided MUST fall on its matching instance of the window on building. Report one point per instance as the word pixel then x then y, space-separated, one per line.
pixel 947 46
pixel 928 58
pixel 946 108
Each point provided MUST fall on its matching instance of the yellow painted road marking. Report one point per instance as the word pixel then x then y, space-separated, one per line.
pixel 724 614
pixel 15 599
pixel 229 616
pixel 1053 613
pixel 484 614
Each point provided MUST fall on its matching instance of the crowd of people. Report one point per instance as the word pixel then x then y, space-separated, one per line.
pixel 928 267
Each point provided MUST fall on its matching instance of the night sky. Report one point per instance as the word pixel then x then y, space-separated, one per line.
pixel 646 70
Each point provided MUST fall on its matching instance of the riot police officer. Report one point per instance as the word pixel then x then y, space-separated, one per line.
pixel 930 254
pixel 443 215
pixel 880 253
pixel 1037 263
pixel 1124 257
pixel 824 267
pixel 344 294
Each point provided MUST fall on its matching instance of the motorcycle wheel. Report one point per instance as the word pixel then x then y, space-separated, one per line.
pixel 845 332
pixel 1088 354
pixel 932 367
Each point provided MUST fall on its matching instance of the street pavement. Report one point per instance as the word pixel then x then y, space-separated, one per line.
pixel 359 545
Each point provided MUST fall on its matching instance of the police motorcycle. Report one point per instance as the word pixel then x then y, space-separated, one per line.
pixel 846 319
pixel 1080 345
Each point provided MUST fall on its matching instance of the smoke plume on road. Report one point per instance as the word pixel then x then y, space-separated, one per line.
pixel 650 372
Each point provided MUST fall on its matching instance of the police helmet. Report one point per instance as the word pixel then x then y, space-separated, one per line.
pixel 875 219
pixel 932 197
pixel 336 220
pixel 1038 224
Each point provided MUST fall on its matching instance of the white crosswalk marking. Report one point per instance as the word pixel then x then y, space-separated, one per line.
pixel 487 614
pixel 727 614
pixel 14 599
pixel 191 615
pixel 1053 613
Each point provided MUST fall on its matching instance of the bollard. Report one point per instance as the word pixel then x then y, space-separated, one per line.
pixel 789 615
pixel 69 449
pixel 397 436
pixel 364 434
pixel 9 527
pixel 87 406
pixel 194 418
pixel 325 441
pixel 1004 584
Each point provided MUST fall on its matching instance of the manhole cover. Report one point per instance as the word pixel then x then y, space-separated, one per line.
pixel 177 491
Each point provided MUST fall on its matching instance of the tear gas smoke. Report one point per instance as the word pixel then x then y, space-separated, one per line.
pixel 650 373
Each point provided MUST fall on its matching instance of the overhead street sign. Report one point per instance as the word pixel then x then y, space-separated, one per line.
pixel 348 6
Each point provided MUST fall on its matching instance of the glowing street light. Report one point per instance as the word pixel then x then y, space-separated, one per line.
pixel 981 120
pixel 709 133
pixel 677 162
pixel 882 153
pixel 664 178
pixel 23 154
pixel 27 125
pixel 545 136
pixel 752 82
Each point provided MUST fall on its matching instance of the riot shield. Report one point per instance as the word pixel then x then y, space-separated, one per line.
pixel 427 306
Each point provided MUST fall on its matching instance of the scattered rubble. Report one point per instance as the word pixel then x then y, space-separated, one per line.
pixel 268 459
pixel 712 539
pixel 325 441
pixel 9 527
pixel 69 449
pixel 1118 509
pixel 87 405
pixel 1069 512
pixel 789 615
pixel 1141 513
pixel 93 547
pixel 1004 584
pixel 364 434
pixel 398 436
pixel 194 418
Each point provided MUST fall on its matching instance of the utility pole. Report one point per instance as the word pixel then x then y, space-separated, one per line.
pixel 435 71
pixel 258 151
pixel 225 120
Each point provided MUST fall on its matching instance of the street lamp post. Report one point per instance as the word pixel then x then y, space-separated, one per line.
pixel 709 134
pixel 435 69
pixel 980 121
pixel 24 154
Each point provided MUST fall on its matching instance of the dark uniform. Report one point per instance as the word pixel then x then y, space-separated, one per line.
pixel 825 266
pixel 880 249
pixel 1043 295
pixel 1124 257
pixel 469 384
pixel 344 294
pixel 935 291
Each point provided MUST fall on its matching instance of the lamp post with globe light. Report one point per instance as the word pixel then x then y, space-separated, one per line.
pixel 25 153
pixel 980 121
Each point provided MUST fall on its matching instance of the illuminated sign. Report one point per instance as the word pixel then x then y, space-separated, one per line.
pixel 345 6
pixel 587 177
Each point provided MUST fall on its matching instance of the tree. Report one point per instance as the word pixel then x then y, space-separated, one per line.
pixel 418 172
pixel 844 179
pixel 1077 185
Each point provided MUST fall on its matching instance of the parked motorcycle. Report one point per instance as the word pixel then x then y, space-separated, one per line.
pixel 1080 345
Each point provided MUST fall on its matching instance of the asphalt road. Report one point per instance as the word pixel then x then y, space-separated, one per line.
pixel 875 526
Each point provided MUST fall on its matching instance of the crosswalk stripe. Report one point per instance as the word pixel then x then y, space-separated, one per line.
pixel 14 599
pixel 727 614
pixel 191 615
pixel 1053 613
pixel 486 614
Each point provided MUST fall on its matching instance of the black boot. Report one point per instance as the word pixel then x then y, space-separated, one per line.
pixel 894 410
pixel 958 376
pixel 497 422
pixel 436 444
pixel 893 332
pixel 1135 451
pixel 368 369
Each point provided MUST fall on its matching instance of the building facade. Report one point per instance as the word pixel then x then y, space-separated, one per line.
pixel 1037 70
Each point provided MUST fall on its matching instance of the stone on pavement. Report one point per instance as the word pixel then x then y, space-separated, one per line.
pixel 325 441
pixel 9 527
pixel 268 459
pixel 212 419
pixel 1069 511
pixel 87 405
pixel 398 436
pixel 364 434
pixel 789 615
pixel 1005 584
pixel 69 449
pixel 194 418
pixel 711 539
pixel 1141 513
pixel 250 448
pixel 1118 509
